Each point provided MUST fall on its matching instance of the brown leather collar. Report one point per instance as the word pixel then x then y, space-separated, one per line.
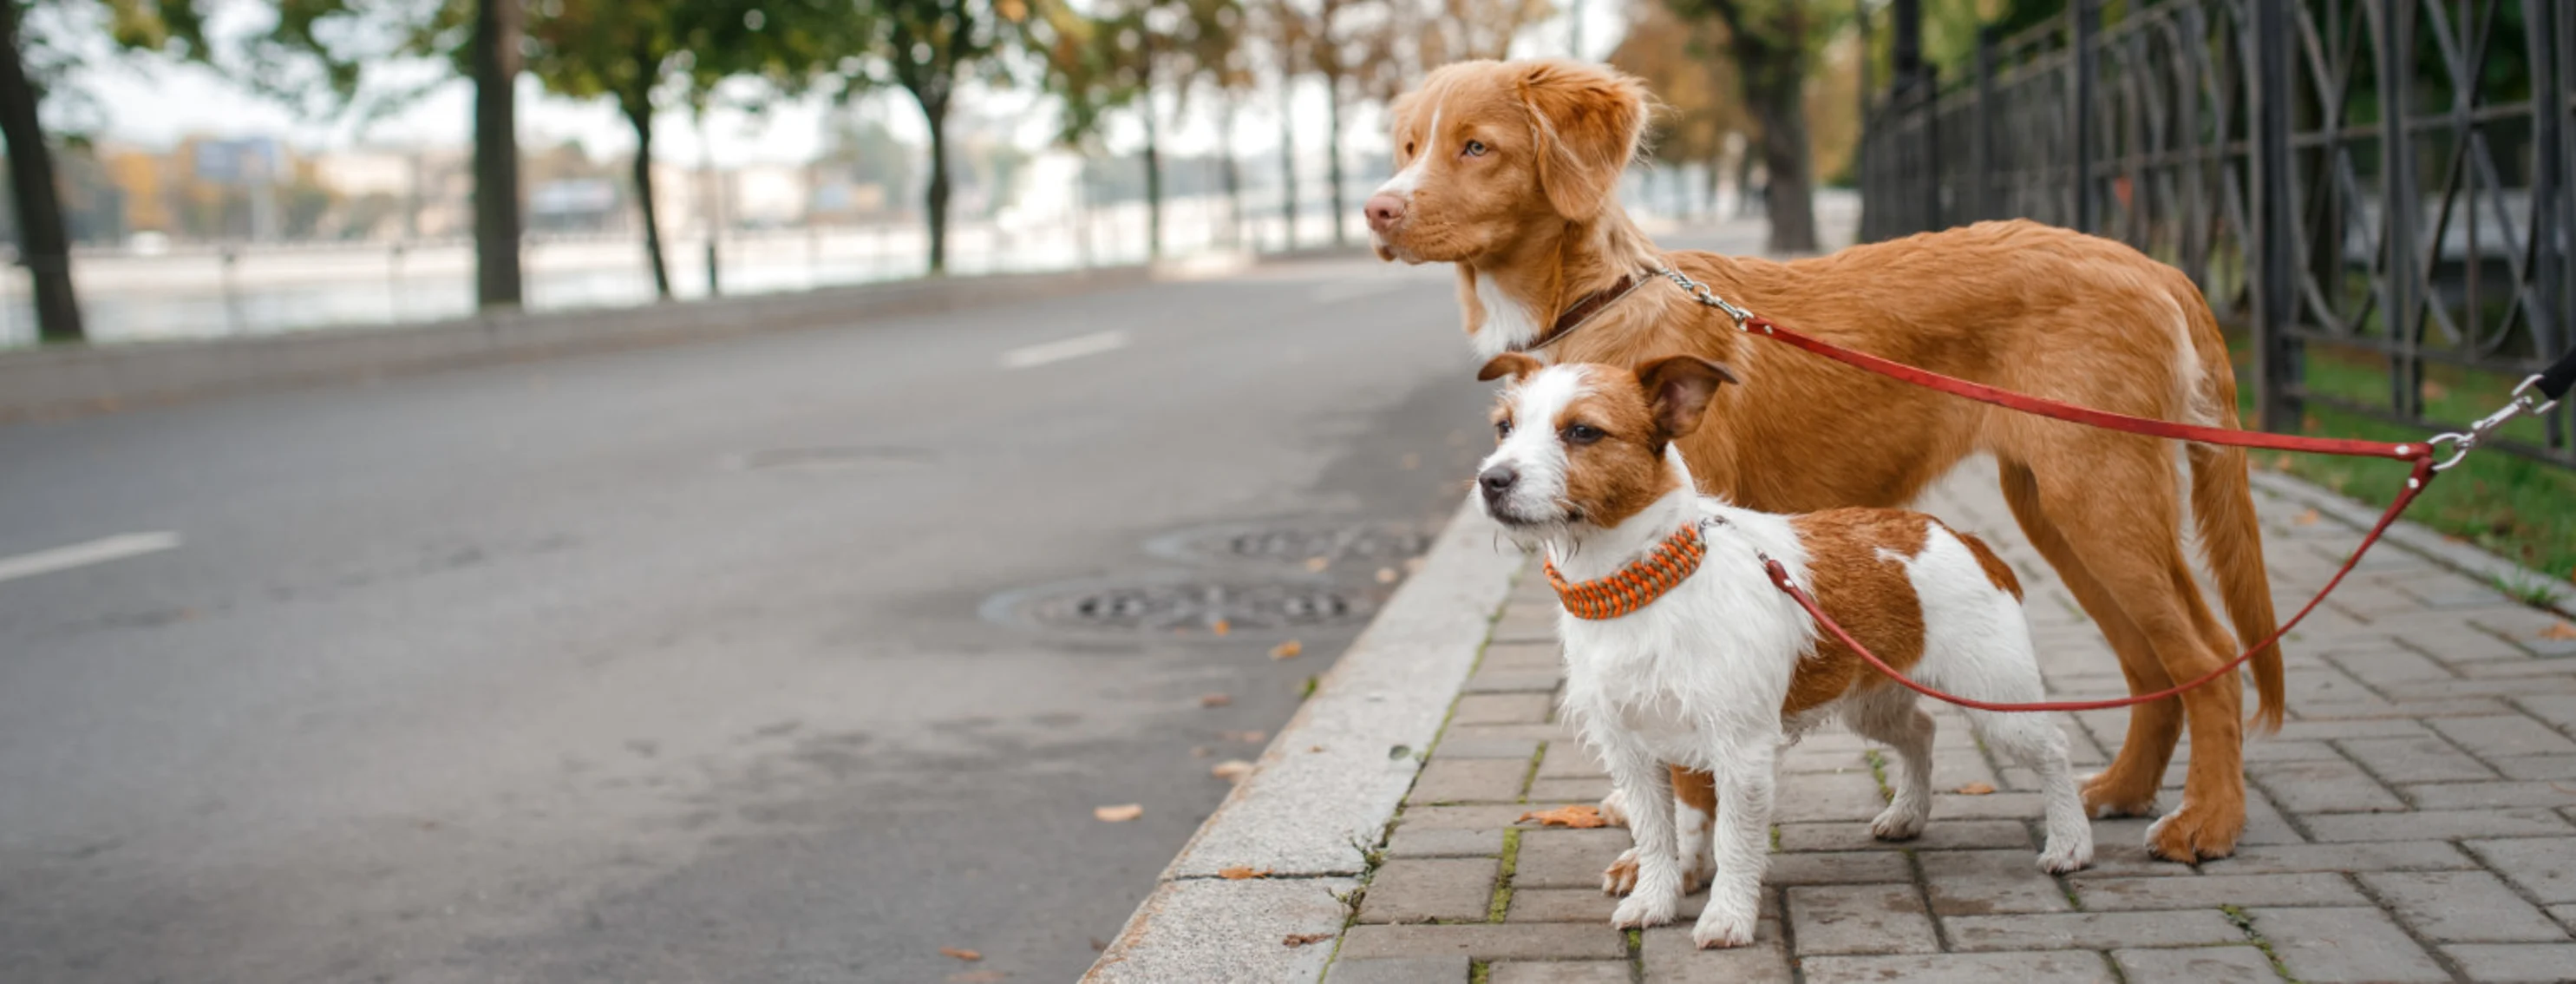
pixel 1583 310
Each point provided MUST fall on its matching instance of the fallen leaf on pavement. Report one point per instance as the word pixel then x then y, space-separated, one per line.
pixel 1317 564
pixel 2308 518
pixel 1386 575
pixel 1301 939
pixel 1240 872
pixel 1577 817
pixel 1221 627
pixel 2561 630
pixel 1231 770
pixel 969 956
pixel 1118 814
pixel 1413 565
pixel 1287 650
pixel 1215 700
pixel 1976 789
pixel 1254 737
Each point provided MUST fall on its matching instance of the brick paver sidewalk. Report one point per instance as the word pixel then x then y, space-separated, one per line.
pixel 2412 822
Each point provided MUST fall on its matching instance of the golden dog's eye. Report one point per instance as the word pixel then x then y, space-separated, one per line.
pixel 1502 429
pixel 1476 148
pixel 1582 434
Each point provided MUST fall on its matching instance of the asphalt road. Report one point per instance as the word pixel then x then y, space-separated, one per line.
pixel 683 664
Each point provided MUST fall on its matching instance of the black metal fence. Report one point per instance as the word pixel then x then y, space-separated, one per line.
pixel 2384 182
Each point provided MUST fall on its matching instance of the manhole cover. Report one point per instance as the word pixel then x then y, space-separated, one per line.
pixel 1297 543
pixel 1203 608
pixel 832 459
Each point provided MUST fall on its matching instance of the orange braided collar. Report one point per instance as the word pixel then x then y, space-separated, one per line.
pixel 1636 585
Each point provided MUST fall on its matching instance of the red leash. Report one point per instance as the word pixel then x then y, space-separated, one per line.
pixel 2422 454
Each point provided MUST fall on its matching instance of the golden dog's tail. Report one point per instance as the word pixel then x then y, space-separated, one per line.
pixel 2222 506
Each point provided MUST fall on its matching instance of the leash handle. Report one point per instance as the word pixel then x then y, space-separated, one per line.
pixel 2415 485
pixel 2555 381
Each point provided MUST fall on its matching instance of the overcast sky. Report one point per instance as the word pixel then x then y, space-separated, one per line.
pixel 137 101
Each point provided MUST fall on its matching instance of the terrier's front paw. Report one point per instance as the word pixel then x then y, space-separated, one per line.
pixel 1621 877
pixel 1898 822
pixel 1718 930
pixel 1642 909
pixel 1614 808
pixel 2063 858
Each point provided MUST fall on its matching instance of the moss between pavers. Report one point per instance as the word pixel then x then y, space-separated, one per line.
pixel 2236 914
pixel 1509 864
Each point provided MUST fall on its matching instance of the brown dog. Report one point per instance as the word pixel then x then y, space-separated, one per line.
pixel 1509 170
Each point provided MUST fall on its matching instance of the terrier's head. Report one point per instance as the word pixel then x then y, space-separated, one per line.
pixel 1587 445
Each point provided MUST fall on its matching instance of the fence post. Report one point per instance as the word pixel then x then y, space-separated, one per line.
pixel 1981 141
pixel 2277 355
pixel 2398 207
pixel 2088 23
pixel 2553 208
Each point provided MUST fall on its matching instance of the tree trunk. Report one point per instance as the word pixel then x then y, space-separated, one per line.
pixel 1716 169
pixel 1232 175
pixel 1775 80
pixel 496 153
pixel 43 247
pixel 1333 151
pixel 642 120
pixel 1288 157
pixel 935 200
pixel 1153 179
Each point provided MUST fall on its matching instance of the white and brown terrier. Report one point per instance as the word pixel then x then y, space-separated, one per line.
pixel 1681 653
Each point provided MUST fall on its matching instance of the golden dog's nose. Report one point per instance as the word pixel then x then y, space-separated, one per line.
pixel 1384 211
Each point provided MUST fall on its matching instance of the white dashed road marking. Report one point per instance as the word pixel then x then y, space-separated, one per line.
pixel 97 551
pixel 1070 348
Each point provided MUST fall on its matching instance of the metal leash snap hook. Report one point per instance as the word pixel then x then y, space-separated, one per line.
pixel 2524 401
pixel 2461 445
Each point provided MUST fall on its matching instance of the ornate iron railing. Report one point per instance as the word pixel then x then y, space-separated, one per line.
pixel 2438 234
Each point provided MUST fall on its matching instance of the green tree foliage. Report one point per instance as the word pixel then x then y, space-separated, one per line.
pixel 926 48
pixel 1128 54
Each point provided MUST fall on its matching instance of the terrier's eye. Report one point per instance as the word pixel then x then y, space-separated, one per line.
pixel 1582 434
pixel 1476 148
pixel 1408 148
pixel 1502 429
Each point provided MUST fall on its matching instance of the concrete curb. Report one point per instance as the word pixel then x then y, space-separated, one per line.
pixel 2414 537
pixel 1320 797
pixel 62 382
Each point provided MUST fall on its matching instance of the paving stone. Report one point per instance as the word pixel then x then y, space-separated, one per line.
pixel 2515 963
pixel 2461 907
pixel 1550 732
pixel 1444 842
pixel 2474 795
pixel 1860 919
pixel 2544 867
pixel 1408 890
pixel 2503 735
pixel 2366 728
pixel 2264 823
pixel 1396 970
pixel 1569 760
pixel 1669 957
pixel 2560 711
pixel 1466 780
pixel 1500 681
pixel 1556 791
pixel 2379 856
pixel 1593 905
pixel 1991 806
pixel 1520 749
pixel 2196 965
pixel 2426 759
pixel 2323 786
pixel 1478 816
pixel 1567 858
pixel 2058 967
pixel 1559 972
pixel 2565 914
pixel 1819 796
pixel 2436 824
pixel 2288 751
pixel 2551 767
pixel 1488 941
pixel 2088 930
pixel 2388 667
pixel 1976 883
pixel 1837 868
pixel 1940 834
pixel 1501 709
pixel 1539 656
pixel 2344 946
pixel 2212 891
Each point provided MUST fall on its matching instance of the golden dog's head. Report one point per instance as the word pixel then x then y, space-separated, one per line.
pixel 1486 151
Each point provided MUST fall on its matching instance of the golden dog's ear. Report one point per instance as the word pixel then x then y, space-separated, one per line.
pixel 1513 364
pixel 1587 121
pixel 1679 388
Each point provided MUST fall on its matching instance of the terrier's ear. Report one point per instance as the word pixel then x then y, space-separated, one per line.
pixel 1513 364
pixel 1679 388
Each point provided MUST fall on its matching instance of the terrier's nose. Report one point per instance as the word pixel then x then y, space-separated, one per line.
pixel 1498 480
pixel 1384 211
